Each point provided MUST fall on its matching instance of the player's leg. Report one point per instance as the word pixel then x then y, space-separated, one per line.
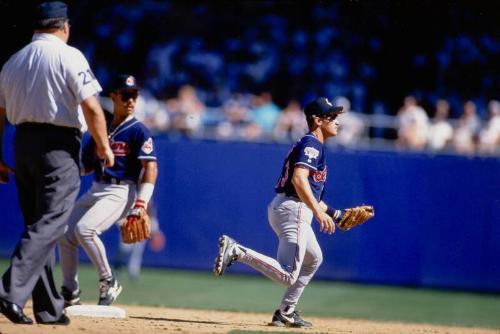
pixel 135 259
pixel 288 218
pixel 122 255
pixel 286 314
pixel 107 210
pixel 68 251
pixel 312 260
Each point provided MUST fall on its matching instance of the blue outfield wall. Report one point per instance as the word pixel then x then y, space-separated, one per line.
pixel 437 217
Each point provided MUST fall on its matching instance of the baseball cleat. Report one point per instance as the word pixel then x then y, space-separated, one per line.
pixel 227 255
pixel 108 291
pixel 70 297
pixel 289 320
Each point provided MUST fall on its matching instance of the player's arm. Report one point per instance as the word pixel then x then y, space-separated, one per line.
pixel 301 183
pixel 150 171
pixel 137 226
pixel 336 214
pixel 323 206
pixel 147 182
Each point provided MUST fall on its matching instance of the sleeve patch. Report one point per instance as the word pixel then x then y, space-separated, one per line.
pixel 311 153
pixel 147 147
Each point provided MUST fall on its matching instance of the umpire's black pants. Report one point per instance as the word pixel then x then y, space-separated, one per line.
pixel 48 180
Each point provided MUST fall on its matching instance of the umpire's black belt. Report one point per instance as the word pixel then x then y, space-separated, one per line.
pixel 31 126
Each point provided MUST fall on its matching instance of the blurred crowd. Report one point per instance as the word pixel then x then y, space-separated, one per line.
pixel 242 70
pixel 249 117
pixel 468 134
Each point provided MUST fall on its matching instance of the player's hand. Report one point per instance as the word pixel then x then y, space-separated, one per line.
pixel 106 154
pixel 4 172
pixel 326 224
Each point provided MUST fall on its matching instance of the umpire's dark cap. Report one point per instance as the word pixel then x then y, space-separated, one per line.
pixel 51 10
pixel 322 107
pixel 124 82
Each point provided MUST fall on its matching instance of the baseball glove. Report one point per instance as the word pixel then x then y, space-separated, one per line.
pixel 136 227
pixel 352 217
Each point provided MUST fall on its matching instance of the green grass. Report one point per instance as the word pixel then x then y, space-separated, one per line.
pixel 201 290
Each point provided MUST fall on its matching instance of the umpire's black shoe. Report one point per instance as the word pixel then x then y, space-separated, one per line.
pixel 70 297
pixel 289 320
pixel 14 313
pixel 108 291
pixel 62 321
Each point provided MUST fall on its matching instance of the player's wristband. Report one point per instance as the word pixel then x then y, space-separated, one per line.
pixel 336 214
pixel 139 203
pixel 144 193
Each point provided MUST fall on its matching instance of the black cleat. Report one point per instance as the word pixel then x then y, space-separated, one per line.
pixel 70 297
pixel 108 291
pixel 227 255
pixel 289 320
pixel 14 313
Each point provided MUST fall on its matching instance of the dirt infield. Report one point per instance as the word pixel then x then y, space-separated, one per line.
pixel 168 320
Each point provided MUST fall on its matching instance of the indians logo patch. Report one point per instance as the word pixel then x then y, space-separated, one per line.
pixel 319 175
pixel 311 153
pixel 119 148
pixel 147 147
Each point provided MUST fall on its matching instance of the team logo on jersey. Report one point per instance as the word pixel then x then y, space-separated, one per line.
pixel 319 175
pixel 311 153
pixel 147 147
pixel 119 148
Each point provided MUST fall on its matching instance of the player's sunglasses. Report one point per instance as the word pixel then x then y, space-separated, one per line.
pixel 125 96
pixel 329 118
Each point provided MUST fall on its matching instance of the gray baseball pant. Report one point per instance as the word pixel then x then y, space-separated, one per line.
pixel 299 254
pixel 96 211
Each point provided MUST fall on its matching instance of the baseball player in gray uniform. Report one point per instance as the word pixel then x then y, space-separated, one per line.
pixel 299 198
pixel 114 194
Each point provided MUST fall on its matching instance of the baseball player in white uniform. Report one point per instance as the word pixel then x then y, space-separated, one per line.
pixel 298 199
pixel 116 191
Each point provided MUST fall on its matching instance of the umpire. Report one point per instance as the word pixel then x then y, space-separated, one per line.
pixel 42 87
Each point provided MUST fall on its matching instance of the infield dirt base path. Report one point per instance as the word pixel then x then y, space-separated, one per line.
pixel 150 320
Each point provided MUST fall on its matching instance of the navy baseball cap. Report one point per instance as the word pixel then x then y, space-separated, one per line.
pixel 51 10
pixel 124 82
pixel 322 107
